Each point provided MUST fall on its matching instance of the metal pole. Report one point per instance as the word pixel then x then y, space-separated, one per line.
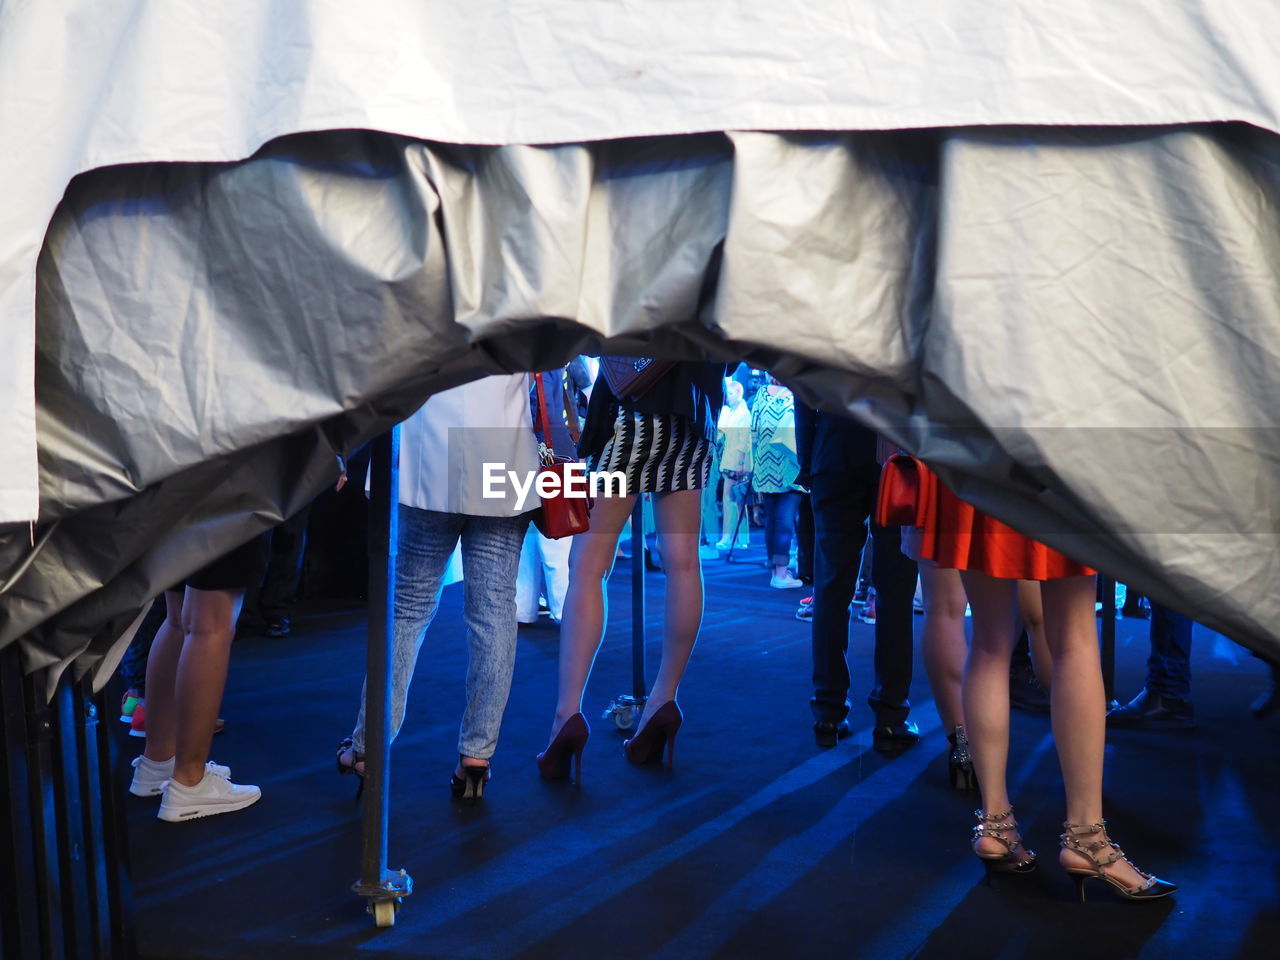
pixel 119 890
pixel 21 900
pixel 381 888
pixel 639 689
pixel 1109 638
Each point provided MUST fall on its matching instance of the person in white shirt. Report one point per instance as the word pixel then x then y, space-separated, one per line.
pixel 444 498
pixel 735 465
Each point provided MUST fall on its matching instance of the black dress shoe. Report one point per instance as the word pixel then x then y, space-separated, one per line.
pixel 827 734
pixel 891 738
pixel 1151 711
pixel 1025 692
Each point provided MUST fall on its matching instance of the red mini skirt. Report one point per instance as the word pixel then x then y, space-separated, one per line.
pixel 960 537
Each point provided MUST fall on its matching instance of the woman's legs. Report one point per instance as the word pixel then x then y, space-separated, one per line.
pixel 986 690
pixel 162 676
pixel 679 516
pixel 426 541
pixel 1078 707
pixel 1031 609
pixel 490 557
pixel 585 604
pixel 208 625
pixel 943 643
pixel 780 527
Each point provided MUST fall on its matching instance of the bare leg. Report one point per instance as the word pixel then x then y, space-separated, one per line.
pixel 1031 609
pixel 986 690
pixel 678 516
pixel 586 602
pixel 162 675
pixel 208 622
pixel 943 643
pixel 1078 705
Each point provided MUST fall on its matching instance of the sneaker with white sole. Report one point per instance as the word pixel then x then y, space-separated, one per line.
pixel 208 798
pixel 787 582
pixel 150 776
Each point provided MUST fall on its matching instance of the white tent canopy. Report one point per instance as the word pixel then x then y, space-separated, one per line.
pixel 92 83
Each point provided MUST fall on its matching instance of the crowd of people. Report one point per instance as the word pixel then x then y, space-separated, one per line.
pixel 713 451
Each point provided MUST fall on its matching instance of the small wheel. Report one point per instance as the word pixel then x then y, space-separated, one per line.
pixel 384 912
pixel 624 718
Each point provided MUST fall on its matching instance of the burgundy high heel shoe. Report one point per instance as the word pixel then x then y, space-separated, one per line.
pixel 647 745
pixel 557 761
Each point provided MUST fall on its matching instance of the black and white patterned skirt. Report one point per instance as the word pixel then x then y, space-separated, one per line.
pixel 659 453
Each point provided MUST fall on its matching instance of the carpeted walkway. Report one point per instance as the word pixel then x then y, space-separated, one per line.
pixel 757 845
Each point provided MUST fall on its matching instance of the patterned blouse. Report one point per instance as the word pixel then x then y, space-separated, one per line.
pixel 773 442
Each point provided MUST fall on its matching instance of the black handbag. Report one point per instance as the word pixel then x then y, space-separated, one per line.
pixel 630 378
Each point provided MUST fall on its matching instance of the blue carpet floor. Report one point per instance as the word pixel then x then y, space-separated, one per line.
pixel 758 844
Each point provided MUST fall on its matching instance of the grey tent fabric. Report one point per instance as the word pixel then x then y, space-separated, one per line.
pixel 1076 326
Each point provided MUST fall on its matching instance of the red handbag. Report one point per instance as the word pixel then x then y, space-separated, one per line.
pixel 906 492
pixel 560 515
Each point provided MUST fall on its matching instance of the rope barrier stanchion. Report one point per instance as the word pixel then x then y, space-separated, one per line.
pixel 625 710
pixel 384 889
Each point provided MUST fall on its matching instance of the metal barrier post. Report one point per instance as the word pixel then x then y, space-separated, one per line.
pixel 383 889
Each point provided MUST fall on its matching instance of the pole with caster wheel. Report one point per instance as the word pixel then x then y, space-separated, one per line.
pixel 383 889
pixel 625 710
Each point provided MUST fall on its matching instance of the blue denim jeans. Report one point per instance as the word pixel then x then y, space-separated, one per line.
pixel 780 525
pixel 490 560
pixel 1169 666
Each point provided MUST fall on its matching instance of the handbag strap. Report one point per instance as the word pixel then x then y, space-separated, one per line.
pixel 544 421
pixel 570 412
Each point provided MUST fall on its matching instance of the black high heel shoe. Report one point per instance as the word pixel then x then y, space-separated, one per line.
pixel 346 769
pixel 1102 852
pixel 960 761
pixel 557 761
pixel 1002 828
pixel 648 743
pixel 469 786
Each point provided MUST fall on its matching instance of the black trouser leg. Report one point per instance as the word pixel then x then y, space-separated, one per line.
pixel 894 575
pixel 840 505
pixel 804 539
pixel 288 542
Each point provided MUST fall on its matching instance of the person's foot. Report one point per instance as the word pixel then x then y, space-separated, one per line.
pixel 784 582
pixel 1140 608
pixel 1153 711
pixel 138 722
pixel 128 703
pixel 895 737
pixel 868 612
pixel 827 734
pixel 804 612
pixel 1268 701
pixel 1025 692
pixel 708 552
pixel 208 798
pixel 277 627
pixel 723 545
pixel 150 776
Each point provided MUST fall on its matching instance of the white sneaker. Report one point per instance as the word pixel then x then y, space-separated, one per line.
pixel 211 796
pixel 150 776
pixel 785 582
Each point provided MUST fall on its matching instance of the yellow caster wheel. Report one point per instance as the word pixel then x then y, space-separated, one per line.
pixel 384 912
